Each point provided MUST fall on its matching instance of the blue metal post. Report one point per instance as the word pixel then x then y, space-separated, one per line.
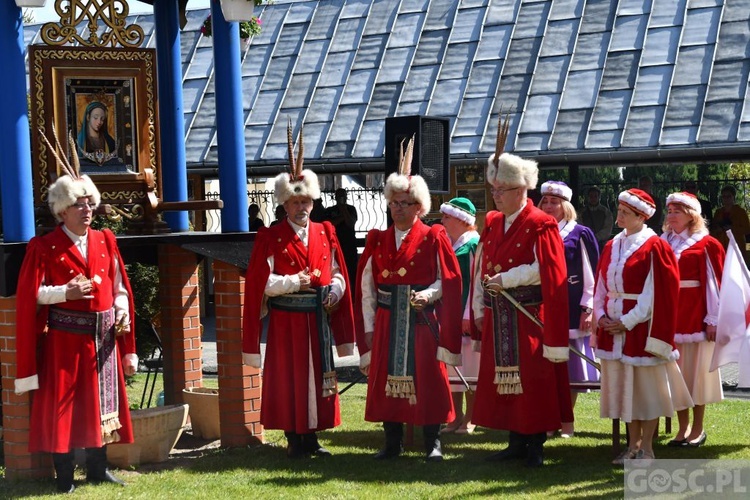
pixel 15 146
pixel 171 119
pixel 229 121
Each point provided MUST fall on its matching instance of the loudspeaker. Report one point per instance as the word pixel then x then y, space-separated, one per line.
pixel 431 148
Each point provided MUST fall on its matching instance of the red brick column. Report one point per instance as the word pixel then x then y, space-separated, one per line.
pixel 180 321
pixel 19 463
pixel 239 385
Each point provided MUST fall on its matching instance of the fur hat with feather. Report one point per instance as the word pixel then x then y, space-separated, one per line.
pixel 70 186
pixel 296 182
pixel 403 182
pixel 506 168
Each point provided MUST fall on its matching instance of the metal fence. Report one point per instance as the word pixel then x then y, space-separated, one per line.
pixel 369 202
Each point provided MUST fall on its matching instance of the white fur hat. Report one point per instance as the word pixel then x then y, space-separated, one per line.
pixel 65 191
pixel 413 185
pixel 557 188
pixel 512 170
pixel 687 199
pixel 638 200
pixel 460 208
pixel 306 184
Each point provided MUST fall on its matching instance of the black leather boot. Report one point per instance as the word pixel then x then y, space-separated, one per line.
pixel 433 451
pixel 96 467
pixel 311 445
pixel 535 451
pixel 64 471
pixel 394 435
pixel 294 447
pixel 516 449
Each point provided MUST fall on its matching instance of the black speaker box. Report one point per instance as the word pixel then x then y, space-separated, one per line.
pixel 431 148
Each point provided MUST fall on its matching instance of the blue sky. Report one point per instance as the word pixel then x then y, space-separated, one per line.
pixel 47 13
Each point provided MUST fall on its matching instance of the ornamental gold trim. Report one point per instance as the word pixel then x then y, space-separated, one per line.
pixel 105 27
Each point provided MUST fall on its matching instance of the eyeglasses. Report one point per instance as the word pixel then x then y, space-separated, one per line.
pixel 401 204
pixel 84 206
pixel 502 191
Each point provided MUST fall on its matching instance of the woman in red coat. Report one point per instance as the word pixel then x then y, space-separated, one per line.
pixel 635 304
pixel 701 262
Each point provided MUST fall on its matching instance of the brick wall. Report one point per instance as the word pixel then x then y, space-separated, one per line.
pixel 180 321
pixel 19 463
pixel 239 385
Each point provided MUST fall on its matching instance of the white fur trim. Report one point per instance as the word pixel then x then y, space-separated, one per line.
pixel 27 384
pixel 557 189
pixel 658 348
pixel 414 185
pixel 448 357
pixel 640 205
pixel 619 258
pixel 65 191
pixel 251 360
pixel 689 338
pixel 685 199
pixel 650 360
pixel 512 170
pixel 454 211
pixel 344 350
pixel 556 354
pixel 307 186
pixel 683 245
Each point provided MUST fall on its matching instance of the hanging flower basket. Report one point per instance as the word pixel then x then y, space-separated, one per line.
pixel 248 29
pixel 30 3
pixel 238 10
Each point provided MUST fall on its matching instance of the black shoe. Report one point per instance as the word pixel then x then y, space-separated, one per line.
pixel 311 445
pixel 535 450
pixel 295 447
pixel 107 477
pixel 516 449
pixel 64 472
pixel 96 467
pixel 433 450
pixel 389 452
pixel 678 443
pixel 701 441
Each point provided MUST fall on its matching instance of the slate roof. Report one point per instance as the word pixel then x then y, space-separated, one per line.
pixel 585 81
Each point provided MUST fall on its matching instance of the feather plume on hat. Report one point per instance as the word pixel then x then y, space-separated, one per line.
pixel 402 181
pixel 296 182
pixel 508 168
pixel 70 186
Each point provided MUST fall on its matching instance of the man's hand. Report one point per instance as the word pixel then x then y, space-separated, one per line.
pixel 466 326
pixel 492 284
pixel 418 301
pixel 128 367
pixel 585 322
pixel 304 280
pixel 79 288
pixel 330 302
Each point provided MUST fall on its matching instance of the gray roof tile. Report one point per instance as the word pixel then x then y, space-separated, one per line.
pixel 579 76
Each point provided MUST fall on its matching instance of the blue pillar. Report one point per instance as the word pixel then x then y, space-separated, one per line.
pixel 230 126
pixel 15 146
pixel 171 113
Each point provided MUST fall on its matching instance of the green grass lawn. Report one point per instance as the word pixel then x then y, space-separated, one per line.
pixel 578 467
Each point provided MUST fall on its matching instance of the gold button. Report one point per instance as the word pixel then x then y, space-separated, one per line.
pixel 53 247
pixel 510 260
pixel 71 271
pixel 279 240
pixel 411 263
pixel 419 250
pixel 518 244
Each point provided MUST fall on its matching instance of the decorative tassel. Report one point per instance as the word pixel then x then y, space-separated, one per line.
pixel 508 380
pixel 109 430
pixel 330 384
pixel 401 387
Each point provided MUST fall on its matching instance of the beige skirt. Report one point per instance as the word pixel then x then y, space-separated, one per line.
pixel 695 360
pixel 642 392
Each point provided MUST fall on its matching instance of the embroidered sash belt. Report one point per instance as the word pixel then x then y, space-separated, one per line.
pixel 505 326
pixel 312 302
pixel 101 326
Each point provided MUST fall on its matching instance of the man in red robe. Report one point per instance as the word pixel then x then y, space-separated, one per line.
pixel 297 271
pixel 521 254
pixel 74 338
pixel 408 313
